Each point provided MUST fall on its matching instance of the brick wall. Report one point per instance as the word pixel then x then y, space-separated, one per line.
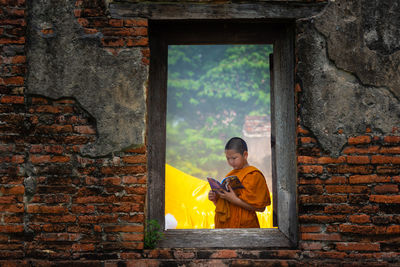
pixel 58 207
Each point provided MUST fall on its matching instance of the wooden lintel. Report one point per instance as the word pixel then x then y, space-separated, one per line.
pixel 260 10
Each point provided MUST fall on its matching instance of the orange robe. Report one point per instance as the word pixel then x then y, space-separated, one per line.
pixel 255 193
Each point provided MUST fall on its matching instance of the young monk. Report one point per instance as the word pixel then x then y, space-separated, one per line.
pixel 237 209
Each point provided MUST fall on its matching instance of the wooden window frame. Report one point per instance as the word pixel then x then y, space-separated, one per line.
pixel 281 34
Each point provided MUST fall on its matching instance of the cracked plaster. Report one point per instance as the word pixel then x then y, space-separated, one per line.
pixel 68 63
pixel 336 102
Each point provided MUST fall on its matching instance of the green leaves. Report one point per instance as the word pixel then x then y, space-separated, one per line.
pixel 211 88
pixel 152 234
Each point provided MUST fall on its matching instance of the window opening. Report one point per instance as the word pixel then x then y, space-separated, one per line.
pixel 163 33
pixel 214 92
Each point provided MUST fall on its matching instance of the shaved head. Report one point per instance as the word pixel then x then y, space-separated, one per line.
pixel 237 144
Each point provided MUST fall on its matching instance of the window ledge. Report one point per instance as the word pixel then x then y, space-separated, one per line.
pixel 224 238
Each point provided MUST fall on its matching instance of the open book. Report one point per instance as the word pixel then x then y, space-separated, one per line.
pixel 233 181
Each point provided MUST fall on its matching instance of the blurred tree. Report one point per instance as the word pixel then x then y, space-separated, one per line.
pixel 211 88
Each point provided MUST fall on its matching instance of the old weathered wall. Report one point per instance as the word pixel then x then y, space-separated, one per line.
pixel 73 97
pixel 67 60
pixel 350 80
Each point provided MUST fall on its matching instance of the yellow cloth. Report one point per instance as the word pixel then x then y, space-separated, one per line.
pixel 255 193
pixel 186 198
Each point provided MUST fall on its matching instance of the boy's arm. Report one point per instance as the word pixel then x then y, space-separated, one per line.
pixel 213 197
pixel 234 199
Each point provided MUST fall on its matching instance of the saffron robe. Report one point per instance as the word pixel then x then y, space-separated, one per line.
pixel 255 193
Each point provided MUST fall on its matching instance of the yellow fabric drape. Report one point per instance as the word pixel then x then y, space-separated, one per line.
pixel 186 198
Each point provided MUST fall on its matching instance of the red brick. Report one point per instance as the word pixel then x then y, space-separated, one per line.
pixel 387 188
pixel 141 41
pixel 17 40
pixel 132 255
pixel 59 237
pixel 307 160
pixel 358 159
pixel 367 179
pixel 181 254
pixel 342 169
pixel 135 22
pixel 8 99
pixel 60 159
pixel 12 190
pixel 389 170
pixel 137 149
pixel 311 245
pixel 392 139
pixel 16 80
pixel 345 189
pixel 82 209
pixel 90 31
pixel 112 181
pixel 46 209
pixel 332 180
pixel 362 229
pixel 8 199
pixel 113 42
pixel 134 179
pixel 322 218
pixel 310 228
pixel 19 22
pixel 321 237
pixel 353 246
pixel 338 209
pixel 98 218
pixel 140 190
pixel 393 229
pixel 132 237
pixel 15 208
pixel 82 247
pixel 317 199
pixel 385 199
pixel 311 169
pixel 385 159
pixel 95 199
pixel 135 159
pixel 390 150
pixel 311 189
pixel 18 159
pixel 83 22
pixel 136 218
pixel 124 228
pixel 123 170
pixel 363 218
pixel 116 22
pixel 35 159
pixel 47 109
pixel 359 140
pixel 307 140
pixel 92 12
pixel 329 160
pixel 54 218
pixel 11 228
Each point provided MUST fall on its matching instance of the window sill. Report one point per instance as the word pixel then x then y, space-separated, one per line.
pixel 224 238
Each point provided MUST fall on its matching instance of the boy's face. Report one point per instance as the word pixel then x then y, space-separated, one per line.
pixel 235 159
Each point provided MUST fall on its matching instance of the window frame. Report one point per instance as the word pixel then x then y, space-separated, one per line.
pixel 283 138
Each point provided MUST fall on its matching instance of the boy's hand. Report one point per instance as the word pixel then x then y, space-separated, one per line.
pixel 212 196
pixel 228 195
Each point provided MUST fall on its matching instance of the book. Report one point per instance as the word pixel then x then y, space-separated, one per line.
pixel 233 181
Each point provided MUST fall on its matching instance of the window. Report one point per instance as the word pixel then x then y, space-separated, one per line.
pixel 164 33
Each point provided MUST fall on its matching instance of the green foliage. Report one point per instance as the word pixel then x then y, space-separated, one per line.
pixel 211 88
pixel 153 234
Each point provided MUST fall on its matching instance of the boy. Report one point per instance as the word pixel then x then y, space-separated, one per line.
pixel 237 209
